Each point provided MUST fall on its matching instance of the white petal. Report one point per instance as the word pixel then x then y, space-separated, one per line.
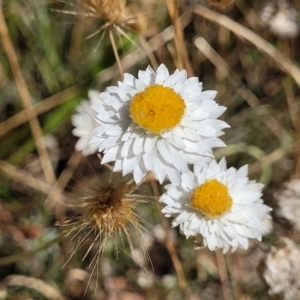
pixel 130 163
pixel 125 148
pixel 138 145
pixel 150 142
pixel 162 74
pixel 163 150
pixel 110 155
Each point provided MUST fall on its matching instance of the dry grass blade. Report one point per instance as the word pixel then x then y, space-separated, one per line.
pixel 36 284
pixel 64 178
pixel 182 54
pixel 117 57
pixel 39 108
pixel 226 288
pixel 171 247
pixel 25 177
pixel 25 97
pixel 281 60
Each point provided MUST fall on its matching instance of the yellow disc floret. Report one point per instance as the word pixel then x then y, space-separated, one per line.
pixel 157 108
pixel 212 198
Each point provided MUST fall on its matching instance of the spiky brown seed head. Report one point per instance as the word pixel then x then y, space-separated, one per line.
pixel 107 212
pixel 116 13
pixel 109 209
pixel 109 10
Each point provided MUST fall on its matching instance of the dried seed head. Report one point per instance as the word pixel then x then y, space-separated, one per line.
pixel 109 10
pixel 281 17
pixel 107 213
pixel 289 202
pixel 114 13
pixel 282 269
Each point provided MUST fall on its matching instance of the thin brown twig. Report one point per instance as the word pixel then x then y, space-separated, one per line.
pixel 26 100
pixel 76 38
pixel 171 247
pixel 39 108
pixel 64 178
pixel 281 60
pixel 181 50
pixel 117 57
pixel 149 52
pixel 54 200
pixel 22 176
pixel 294 107
pixel 224 275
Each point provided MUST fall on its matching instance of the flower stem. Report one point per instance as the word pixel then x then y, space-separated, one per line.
pixel 171 248
pixel 114 46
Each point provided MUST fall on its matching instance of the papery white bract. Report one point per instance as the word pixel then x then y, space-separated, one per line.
pixel 159 123
pixel 282 269
pixel 281 17
pixel 219 204
pixel 288 199
pixel 84 124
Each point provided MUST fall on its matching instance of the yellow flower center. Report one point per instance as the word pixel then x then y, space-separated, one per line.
pixel 212 198
pixel 157 108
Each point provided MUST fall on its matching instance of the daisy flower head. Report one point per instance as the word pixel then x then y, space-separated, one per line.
pixel 158 122
pixel 84 124
pixel 217 203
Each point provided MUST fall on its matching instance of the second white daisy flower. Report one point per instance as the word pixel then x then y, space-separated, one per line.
pixel 159 123
pixel 219 204
pixel 84 124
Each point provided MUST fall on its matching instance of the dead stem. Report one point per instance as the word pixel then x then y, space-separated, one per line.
pixel 171 247
pixel 22 176
pixel 282 61
pixel 76 39
pixel 114 46
pixel 64 178
pixel 33 283
pixel 149 52
pixel 224 275
pixel 182 54
pixel 26 99
pixel 39 108
pixel 294 107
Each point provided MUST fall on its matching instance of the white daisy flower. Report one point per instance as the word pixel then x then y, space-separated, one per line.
pixel 84 124
pixel 159 123
pixel 220 204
